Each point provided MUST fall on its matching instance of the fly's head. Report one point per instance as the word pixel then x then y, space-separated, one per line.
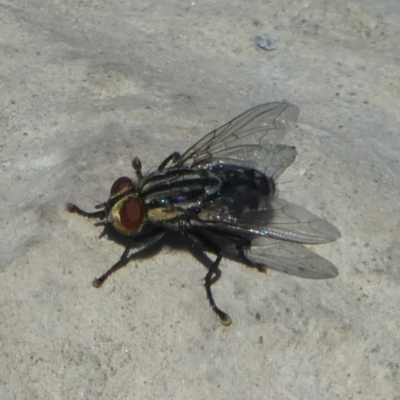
pixel 124 208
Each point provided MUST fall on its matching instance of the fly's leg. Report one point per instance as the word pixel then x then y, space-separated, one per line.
pixel 72 208
pixel 137 166
pixel 120 264
pixel 212 276
pixel 172 157
pixel 259 267
pixel 145 245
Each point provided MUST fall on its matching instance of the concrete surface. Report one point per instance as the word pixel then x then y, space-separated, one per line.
pixel 85 86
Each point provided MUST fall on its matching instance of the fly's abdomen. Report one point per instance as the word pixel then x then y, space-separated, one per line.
pixel 174 194
pixel 243 189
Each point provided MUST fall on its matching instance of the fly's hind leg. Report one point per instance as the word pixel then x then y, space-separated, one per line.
pixel 212 276
pixel 243 258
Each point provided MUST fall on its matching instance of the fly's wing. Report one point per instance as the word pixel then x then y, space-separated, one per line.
pixel 250 139
pixel 270 159
pixel 290 258
pixel 274 218
pixel 287 221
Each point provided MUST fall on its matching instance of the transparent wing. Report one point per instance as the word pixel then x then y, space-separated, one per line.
pixel 257 131
pixel 290 258
pixel 272 160
pixel 275 218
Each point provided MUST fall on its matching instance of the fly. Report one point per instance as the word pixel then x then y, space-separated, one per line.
pixel 220 194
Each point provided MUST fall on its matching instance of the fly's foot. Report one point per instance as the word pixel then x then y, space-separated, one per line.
pixel 224 318
pixel 97 283
pixel 258 266
pixel 261 268
pixel 212 276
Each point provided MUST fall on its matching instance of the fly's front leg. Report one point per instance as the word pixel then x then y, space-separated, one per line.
pixel 137 166
pixel 212 276
pixel 172 157
pixel 74 209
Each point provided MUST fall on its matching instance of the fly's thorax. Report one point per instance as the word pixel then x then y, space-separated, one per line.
pixel 176 193
pixel 126 210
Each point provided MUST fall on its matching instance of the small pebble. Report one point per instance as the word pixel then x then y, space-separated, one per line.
pixel 265 42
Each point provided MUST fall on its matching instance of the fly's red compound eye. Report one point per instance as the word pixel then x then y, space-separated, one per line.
pixel 131 214
pixel 120 184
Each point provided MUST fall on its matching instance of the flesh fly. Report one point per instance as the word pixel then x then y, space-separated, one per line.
pixel 220 195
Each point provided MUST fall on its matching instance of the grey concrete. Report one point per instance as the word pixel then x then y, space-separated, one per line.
pixel 85 86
